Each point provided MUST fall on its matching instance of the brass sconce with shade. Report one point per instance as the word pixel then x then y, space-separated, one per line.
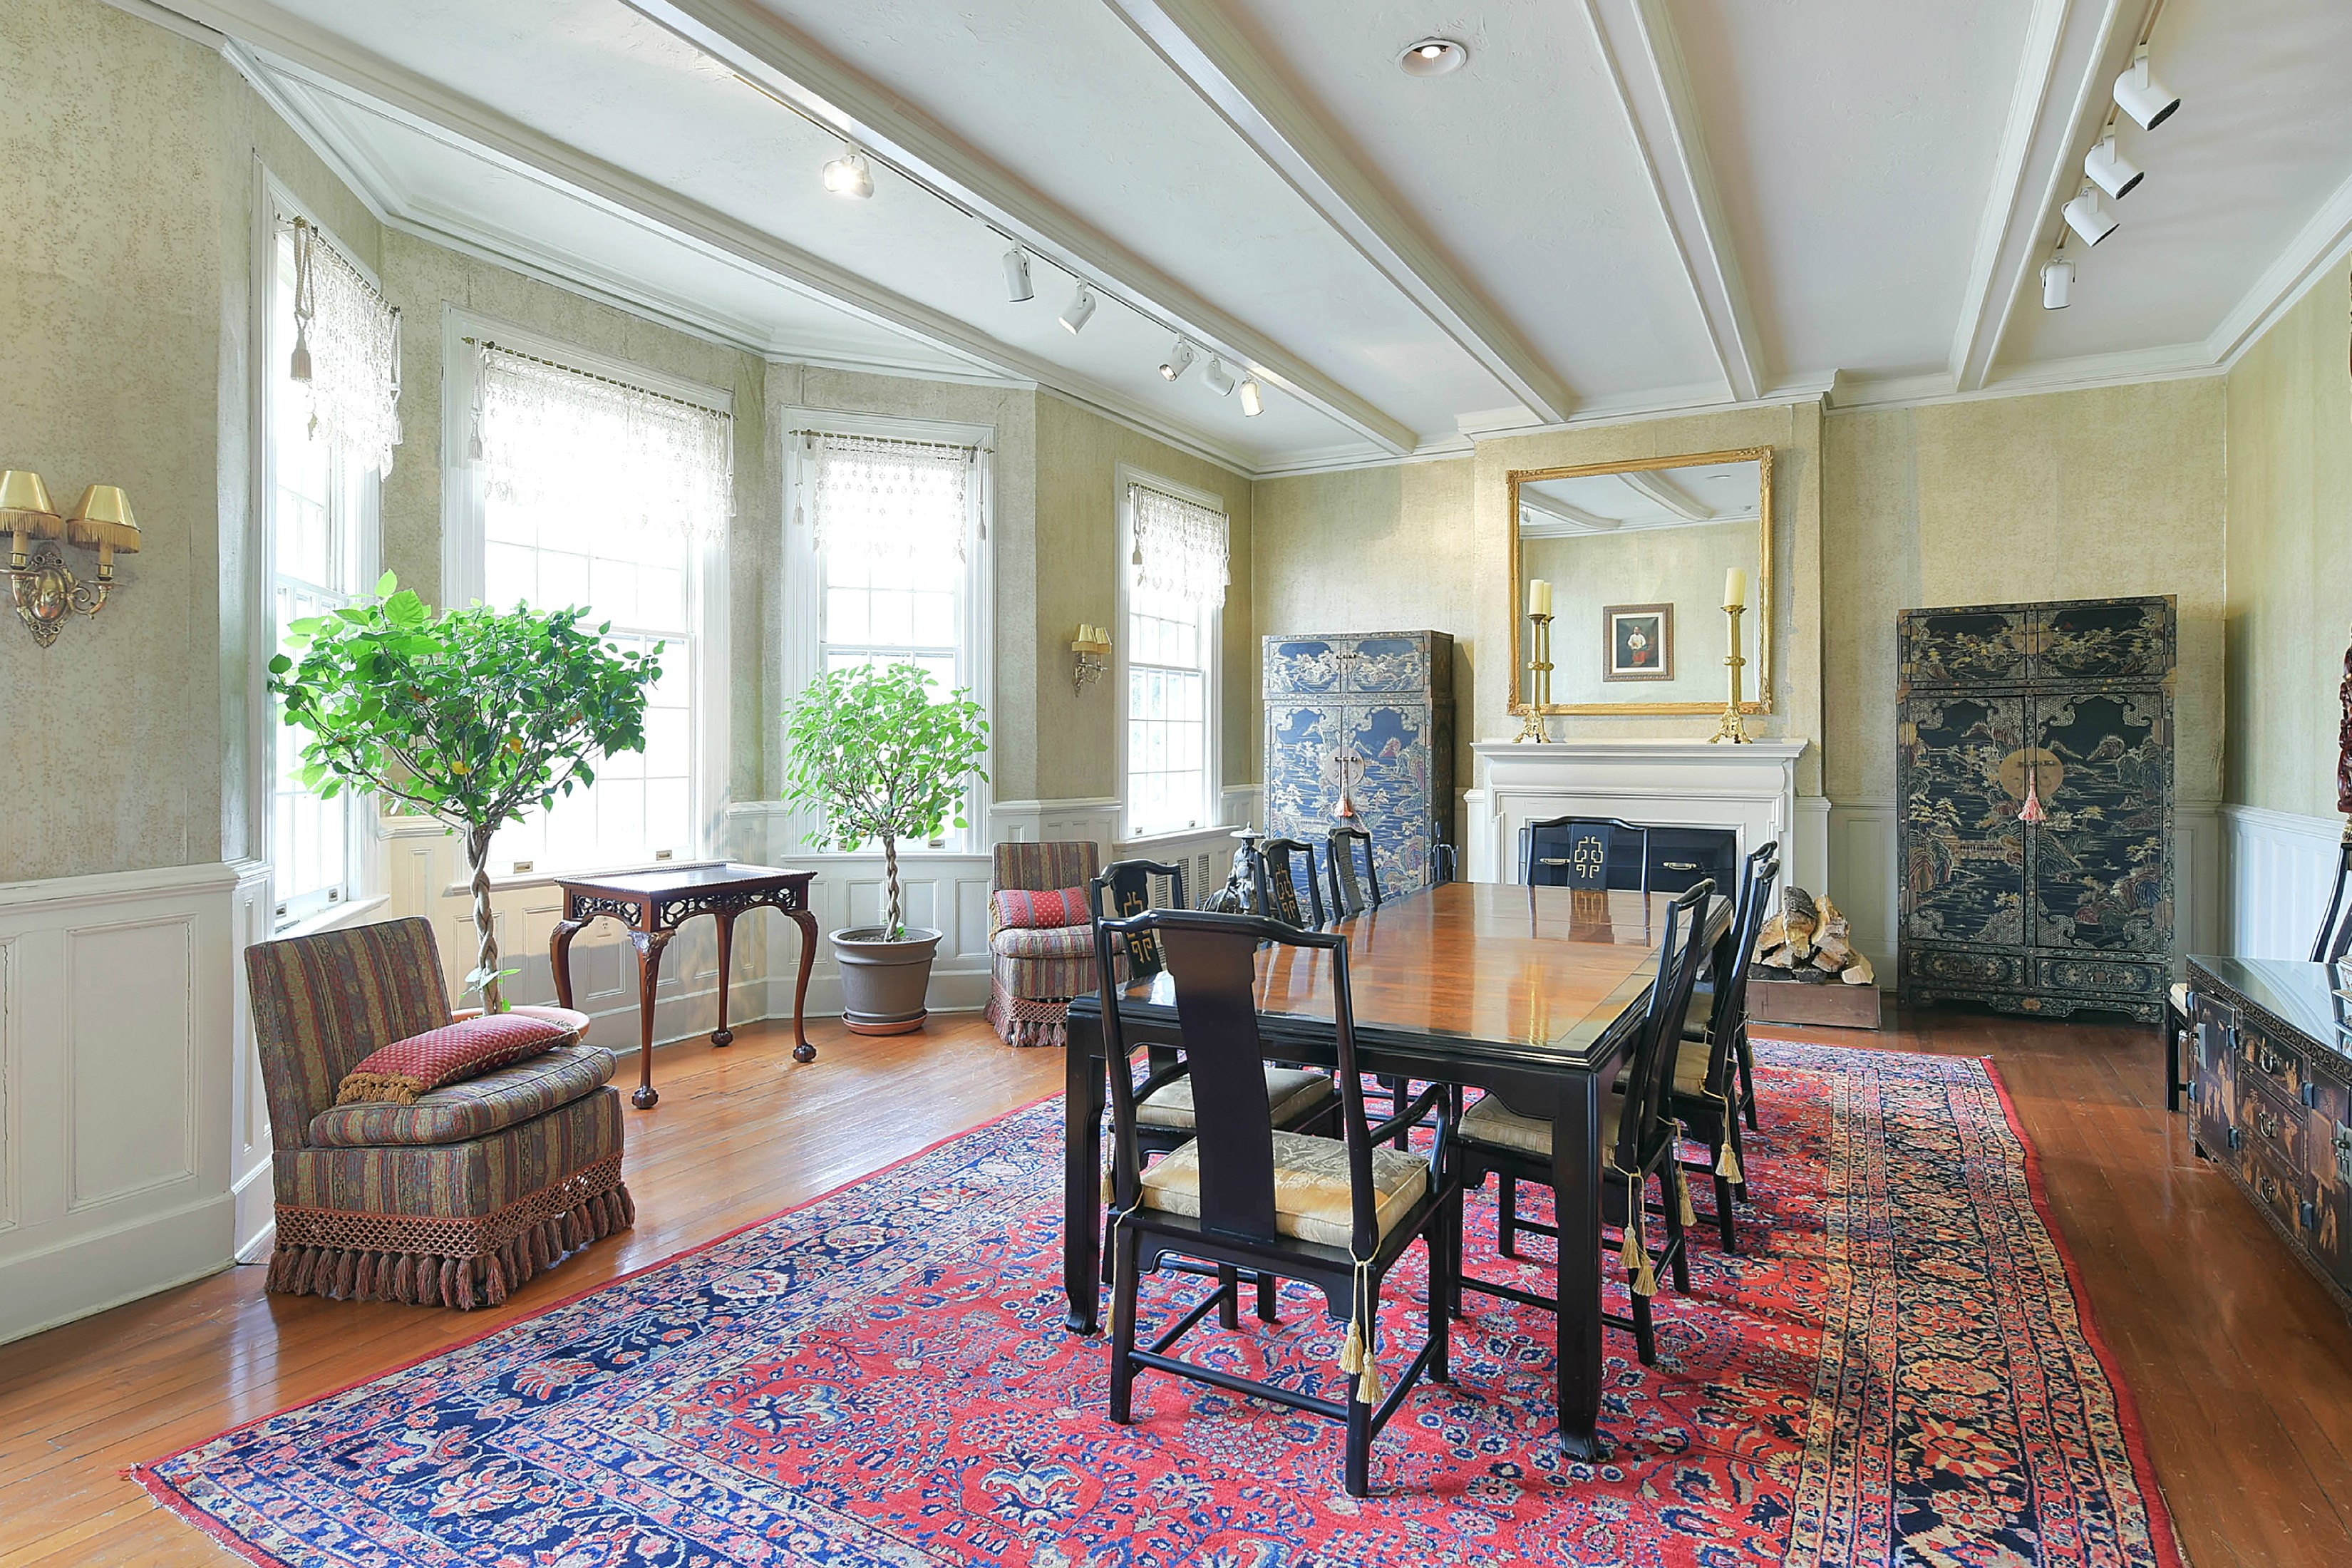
pixel 1090 655
pixel 44 588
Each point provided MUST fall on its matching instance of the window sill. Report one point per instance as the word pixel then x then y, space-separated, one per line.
pixel 1175 834
pixel 334 917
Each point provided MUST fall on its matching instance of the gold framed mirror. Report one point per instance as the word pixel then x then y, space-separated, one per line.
pixel 1636 555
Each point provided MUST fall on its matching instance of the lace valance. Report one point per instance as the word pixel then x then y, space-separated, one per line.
pixel 1179 546
pixel 889 501
pixel 550 435
pixel 347 350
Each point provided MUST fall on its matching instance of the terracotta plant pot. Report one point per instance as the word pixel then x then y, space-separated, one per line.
pixel 883 982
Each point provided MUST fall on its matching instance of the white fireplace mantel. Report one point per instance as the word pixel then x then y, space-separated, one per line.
pixel 1750 789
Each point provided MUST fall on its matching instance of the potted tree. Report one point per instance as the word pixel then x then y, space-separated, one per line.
pixel 873 753
pixel 473 717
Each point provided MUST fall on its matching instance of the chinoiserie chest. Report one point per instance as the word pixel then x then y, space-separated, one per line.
pixel 1371 714
pixel 2033 775
pixel 2271 1087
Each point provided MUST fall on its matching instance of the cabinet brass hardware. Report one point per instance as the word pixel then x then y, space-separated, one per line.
pixel 2309 1214
pixel 2237 1139
pixel 2310 1093
pixel 1680 864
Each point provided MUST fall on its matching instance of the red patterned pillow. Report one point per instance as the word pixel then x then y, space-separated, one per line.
pixel 1017 909
pixel 405 1068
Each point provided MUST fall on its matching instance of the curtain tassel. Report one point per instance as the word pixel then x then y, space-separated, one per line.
pixel 299 368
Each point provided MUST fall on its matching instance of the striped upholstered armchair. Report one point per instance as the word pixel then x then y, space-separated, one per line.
pixel 1035 969
pixel 452 1201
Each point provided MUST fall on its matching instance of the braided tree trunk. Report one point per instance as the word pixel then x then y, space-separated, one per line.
pixel 477 854
pixel 890 877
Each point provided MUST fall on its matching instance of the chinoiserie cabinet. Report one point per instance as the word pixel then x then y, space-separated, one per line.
pixel 2069 707
pixel 1370 713
pixel 2271 1085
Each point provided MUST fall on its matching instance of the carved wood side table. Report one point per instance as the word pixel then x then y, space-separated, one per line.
pixel 652 905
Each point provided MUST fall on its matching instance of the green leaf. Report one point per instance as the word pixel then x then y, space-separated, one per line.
pixel 385 584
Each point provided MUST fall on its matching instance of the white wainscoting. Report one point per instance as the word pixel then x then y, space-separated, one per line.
pixel 1093 818
pixel 2280 868
pixel 1864 875
pixel 126 1099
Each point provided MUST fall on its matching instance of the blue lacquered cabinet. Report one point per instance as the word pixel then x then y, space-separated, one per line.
pixel 1373 710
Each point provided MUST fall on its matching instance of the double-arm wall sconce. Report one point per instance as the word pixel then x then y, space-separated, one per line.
pixel 38 580
pixel 1090 653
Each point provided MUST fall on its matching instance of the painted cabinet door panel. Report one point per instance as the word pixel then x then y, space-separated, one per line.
pixel 1965 862
pixel 2102 879
pixel 1387 664
pixel 2214 1040
pixel 1303 665
pixel 1389 742
pixel 2105 640
pixel 1963 648
pixel 1301 739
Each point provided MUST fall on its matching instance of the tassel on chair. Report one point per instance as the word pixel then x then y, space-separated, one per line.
pixel 1369 1387
pixel 1682 1195
pixel 1637 1257
pixel 1727 1164
pixel 1352 1352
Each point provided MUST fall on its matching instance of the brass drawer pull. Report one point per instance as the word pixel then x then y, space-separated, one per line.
pixel 1680 864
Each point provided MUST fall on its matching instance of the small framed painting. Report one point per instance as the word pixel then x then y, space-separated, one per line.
pixel 1638 642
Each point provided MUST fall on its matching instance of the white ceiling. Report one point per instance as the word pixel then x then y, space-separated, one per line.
pixel 1616 206
pixel 1627 500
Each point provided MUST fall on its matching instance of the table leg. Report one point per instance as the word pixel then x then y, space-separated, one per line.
pixel 1082 1107
pixel 649 956
pixel 801 1050
pixel 723 1035
pixel 559 957
pixel 1576 1185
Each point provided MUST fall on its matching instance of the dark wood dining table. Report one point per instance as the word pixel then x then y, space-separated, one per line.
pixel 1532 993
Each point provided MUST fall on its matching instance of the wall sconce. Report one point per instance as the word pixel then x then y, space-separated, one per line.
pixel 1091 651
pixel 43 588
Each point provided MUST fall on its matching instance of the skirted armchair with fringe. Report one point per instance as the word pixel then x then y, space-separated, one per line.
pixel 1035 972
pixel 453 1201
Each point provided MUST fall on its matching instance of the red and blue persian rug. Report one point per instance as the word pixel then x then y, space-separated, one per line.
pixel 1896 1370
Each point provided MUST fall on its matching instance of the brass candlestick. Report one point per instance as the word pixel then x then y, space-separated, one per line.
pixel 1531 719
pixel 1731 729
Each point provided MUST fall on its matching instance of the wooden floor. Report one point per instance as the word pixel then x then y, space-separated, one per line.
pixel 2241 1366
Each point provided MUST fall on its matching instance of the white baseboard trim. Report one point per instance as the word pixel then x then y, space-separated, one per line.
pixel 153 1252
pixel 2278 866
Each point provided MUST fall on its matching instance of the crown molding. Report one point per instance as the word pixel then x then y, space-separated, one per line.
pixel 2317 248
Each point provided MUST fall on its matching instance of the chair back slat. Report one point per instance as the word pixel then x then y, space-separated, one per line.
pixel 1592 853
pixel 1287 889
pixel 1738 952
pixel 1351 893
pixel 2335 935
pixel 1655 1047
pixel 1125 889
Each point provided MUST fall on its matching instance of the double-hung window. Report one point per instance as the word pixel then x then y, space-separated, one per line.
pixel 1173 543
pixel 595 492
pixel 329 434
pixel 889 537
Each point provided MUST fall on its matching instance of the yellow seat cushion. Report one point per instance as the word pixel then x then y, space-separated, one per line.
pixel 1312 1198
pixel 1497 1126
pixel 1287 1091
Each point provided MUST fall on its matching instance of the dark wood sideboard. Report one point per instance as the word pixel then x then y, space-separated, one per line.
pixel 2272 1092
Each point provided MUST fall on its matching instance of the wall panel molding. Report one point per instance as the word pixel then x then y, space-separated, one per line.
pixel 2277 868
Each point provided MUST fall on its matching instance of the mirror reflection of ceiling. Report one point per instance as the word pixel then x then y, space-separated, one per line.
pixel 1845 196
pixel 1640 498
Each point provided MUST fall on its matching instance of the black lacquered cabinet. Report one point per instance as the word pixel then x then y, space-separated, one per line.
pixel 2070 703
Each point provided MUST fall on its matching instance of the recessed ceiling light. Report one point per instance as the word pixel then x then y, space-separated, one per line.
pixel 1433 57
pixel 847 175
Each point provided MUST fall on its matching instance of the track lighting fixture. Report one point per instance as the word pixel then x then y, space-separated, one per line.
pixel 2110 170
pixel 1433 57
pixel 2057 282
pixel 1220 379
pixel 1253 397
pixel 1016 275
pixel 1081 310
pixel 1179 359
pixel 2088 217
pixel 847 175
pixel 2138 94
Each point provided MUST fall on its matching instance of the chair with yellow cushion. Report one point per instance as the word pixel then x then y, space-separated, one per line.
pixel 1244 1197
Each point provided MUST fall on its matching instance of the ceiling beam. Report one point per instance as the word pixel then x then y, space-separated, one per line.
pixel 329 61
pixel 1636 40
pixel 1201 46
pixel 765 50
pixel 2063 65
pixel 1568 518
pixel 1652 483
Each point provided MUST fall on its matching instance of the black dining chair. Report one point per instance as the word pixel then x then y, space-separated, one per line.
pixel 1355 874
pixel 1246 1198
pixel 1594 853
pixel 1709 1089
pixel 1288 888
pixel 1636 1135
pixel 1298 1098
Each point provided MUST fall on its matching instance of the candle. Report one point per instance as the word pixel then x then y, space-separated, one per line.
pixel 1735 588
pixel 1539 598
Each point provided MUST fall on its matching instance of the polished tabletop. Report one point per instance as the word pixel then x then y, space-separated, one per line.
pixel 2315 999
pixel 666 881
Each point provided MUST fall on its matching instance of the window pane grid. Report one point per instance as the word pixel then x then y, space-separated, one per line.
pixel 1167 713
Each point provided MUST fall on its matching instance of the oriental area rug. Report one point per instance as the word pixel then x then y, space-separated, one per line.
pixel 1895 1369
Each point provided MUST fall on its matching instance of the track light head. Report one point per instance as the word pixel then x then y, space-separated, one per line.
pixel 2138 94
pixel 1179 359
pixel 847 175
pixel 1253 397
pixel 1220 379
pixel 1016 275
pixel 2057 282
pixel 2110 170
pixel 1080 311
pixel 2088 217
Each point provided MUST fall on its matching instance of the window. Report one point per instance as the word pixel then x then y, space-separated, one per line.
pixel 1174 543
pixel 321 504
pixel 596 493
pixel 890 534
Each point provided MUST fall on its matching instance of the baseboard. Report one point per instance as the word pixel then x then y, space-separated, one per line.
pixel 94 1272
